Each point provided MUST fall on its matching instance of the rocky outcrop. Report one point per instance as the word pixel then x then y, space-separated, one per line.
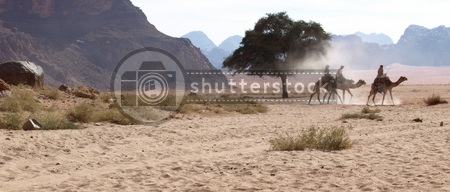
pixel 22 72
pixel 79 42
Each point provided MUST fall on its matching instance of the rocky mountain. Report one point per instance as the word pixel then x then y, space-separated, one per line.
pixel 380 38
pixel 200 40
pixel 418 46
pixel 79 42
pixel 215 54
pixel 231 43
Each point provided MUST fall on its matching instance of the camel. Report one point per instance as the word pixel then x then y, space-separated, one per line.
pixel 329 85
pixel 346 86
pixel 387 85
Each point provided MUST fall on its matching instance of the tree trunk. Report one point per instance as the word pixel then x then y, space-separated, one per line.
pixel 283 82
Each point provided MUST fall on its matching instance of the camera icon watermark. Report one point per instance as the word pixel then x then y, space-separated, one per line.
pixel 148 84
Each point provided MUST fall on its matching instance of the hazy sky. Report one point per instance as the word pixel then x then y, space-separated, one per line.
pixel 220 19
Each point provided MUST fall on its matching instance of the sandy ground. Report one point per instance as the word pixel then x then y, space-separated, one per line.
pixel 232 153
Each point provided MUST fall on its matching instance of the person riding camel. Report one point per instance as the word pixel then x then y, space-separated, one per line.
pixel 379 80
pixel 339 76
pixel 327 77
pixel 326 71
pixel 380 71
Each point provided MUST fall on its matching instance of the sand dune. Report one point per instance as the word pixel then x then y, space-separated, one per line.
pixel 231 152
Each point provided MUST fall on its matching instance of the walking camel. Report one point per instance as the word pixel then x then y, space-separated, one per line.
pixel 346 86
pixel 385 85
pixel 330 85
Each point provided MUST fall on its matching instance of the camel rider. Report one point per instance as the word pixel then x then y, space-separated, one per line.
pixel 326 71
pixel 380 71
pixel 339 76
pixel 378 80
pixel 327 77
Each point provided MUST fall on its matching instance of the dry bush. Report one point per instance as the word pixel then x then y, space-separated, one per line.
pixel 331 139
pixel 54 121
pixel 198 104
pixel 105 97
pixel 51 93
pixel 113 116
pixel 93 112
pixel 367 110
pixel 365 113
pixel 80 113
pixel 11 121
pixel 434 100
pixel 21 100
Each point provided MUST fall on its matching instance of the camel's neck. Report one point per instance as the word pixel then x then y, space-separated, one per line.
pixel 357 85
pixel 395 84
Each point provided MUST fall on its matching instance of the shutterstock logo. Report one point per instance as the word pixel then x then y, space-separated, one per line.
pixel 150 85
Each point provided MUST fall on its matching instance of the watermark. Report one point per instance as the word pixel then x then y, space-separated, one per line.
pixel 150 85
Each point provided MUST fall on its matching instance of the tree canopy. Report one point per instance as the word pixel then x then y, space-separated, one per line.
pixel 277 43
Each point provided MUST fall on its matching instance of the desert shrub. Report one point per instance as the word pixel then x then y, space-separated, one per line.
pixel 365 113
pixel 367 110
pixel 51 93
pixel 434 100
pixel 105 97
pixel 246 108
pixel 21 100
pixel 10 104
pixel 335 138
pixel 52 121
pixel 80 113
pixel 11 121
pixel 196 104
pixel 113 116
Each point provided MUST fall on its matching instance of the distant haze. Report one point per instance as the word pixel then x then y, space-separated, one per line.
pixel 419 46
pixel 221 19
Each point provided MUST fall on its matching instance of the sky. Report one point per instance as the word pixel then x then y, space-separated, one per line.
pixel 220 19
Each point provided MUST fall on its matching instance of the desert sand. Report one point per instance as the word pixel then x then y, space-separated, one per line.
pixel 231 152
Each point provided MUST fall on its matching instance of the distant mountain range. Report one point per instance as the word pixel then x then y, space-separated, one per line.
pixel 215 54
pixel 381 38
pixel 418 46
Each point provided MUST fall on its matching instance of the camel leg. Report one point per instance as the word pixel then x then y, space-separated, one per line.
pixel 351 96
pixel 343 95
pixel 329 96
pixel 382 102
pixel 318 96
pixel 368 98
pixel 311 97
pixel 335 92
pixel 323 99
pixel 390 93
pixel 373 99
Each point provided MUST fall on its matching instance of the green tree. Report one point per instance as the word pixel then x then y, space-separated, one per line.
pixel 277 44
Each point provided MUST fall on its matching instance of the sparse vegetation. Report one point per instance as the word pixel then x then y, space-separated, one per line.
pixel 198 104
pixel 434 100
pixel 51 93
pixel 331 139
pixel 80 113
pixel 367 110
pixel 113 116
pixel 11 121
pixel 22 100
pixel 365 113
pixel 53 121
pixel 105 97
pixel 88 112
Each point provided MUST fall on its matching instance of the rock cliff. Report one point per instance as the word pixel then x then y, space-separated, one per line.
pixel 80 41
